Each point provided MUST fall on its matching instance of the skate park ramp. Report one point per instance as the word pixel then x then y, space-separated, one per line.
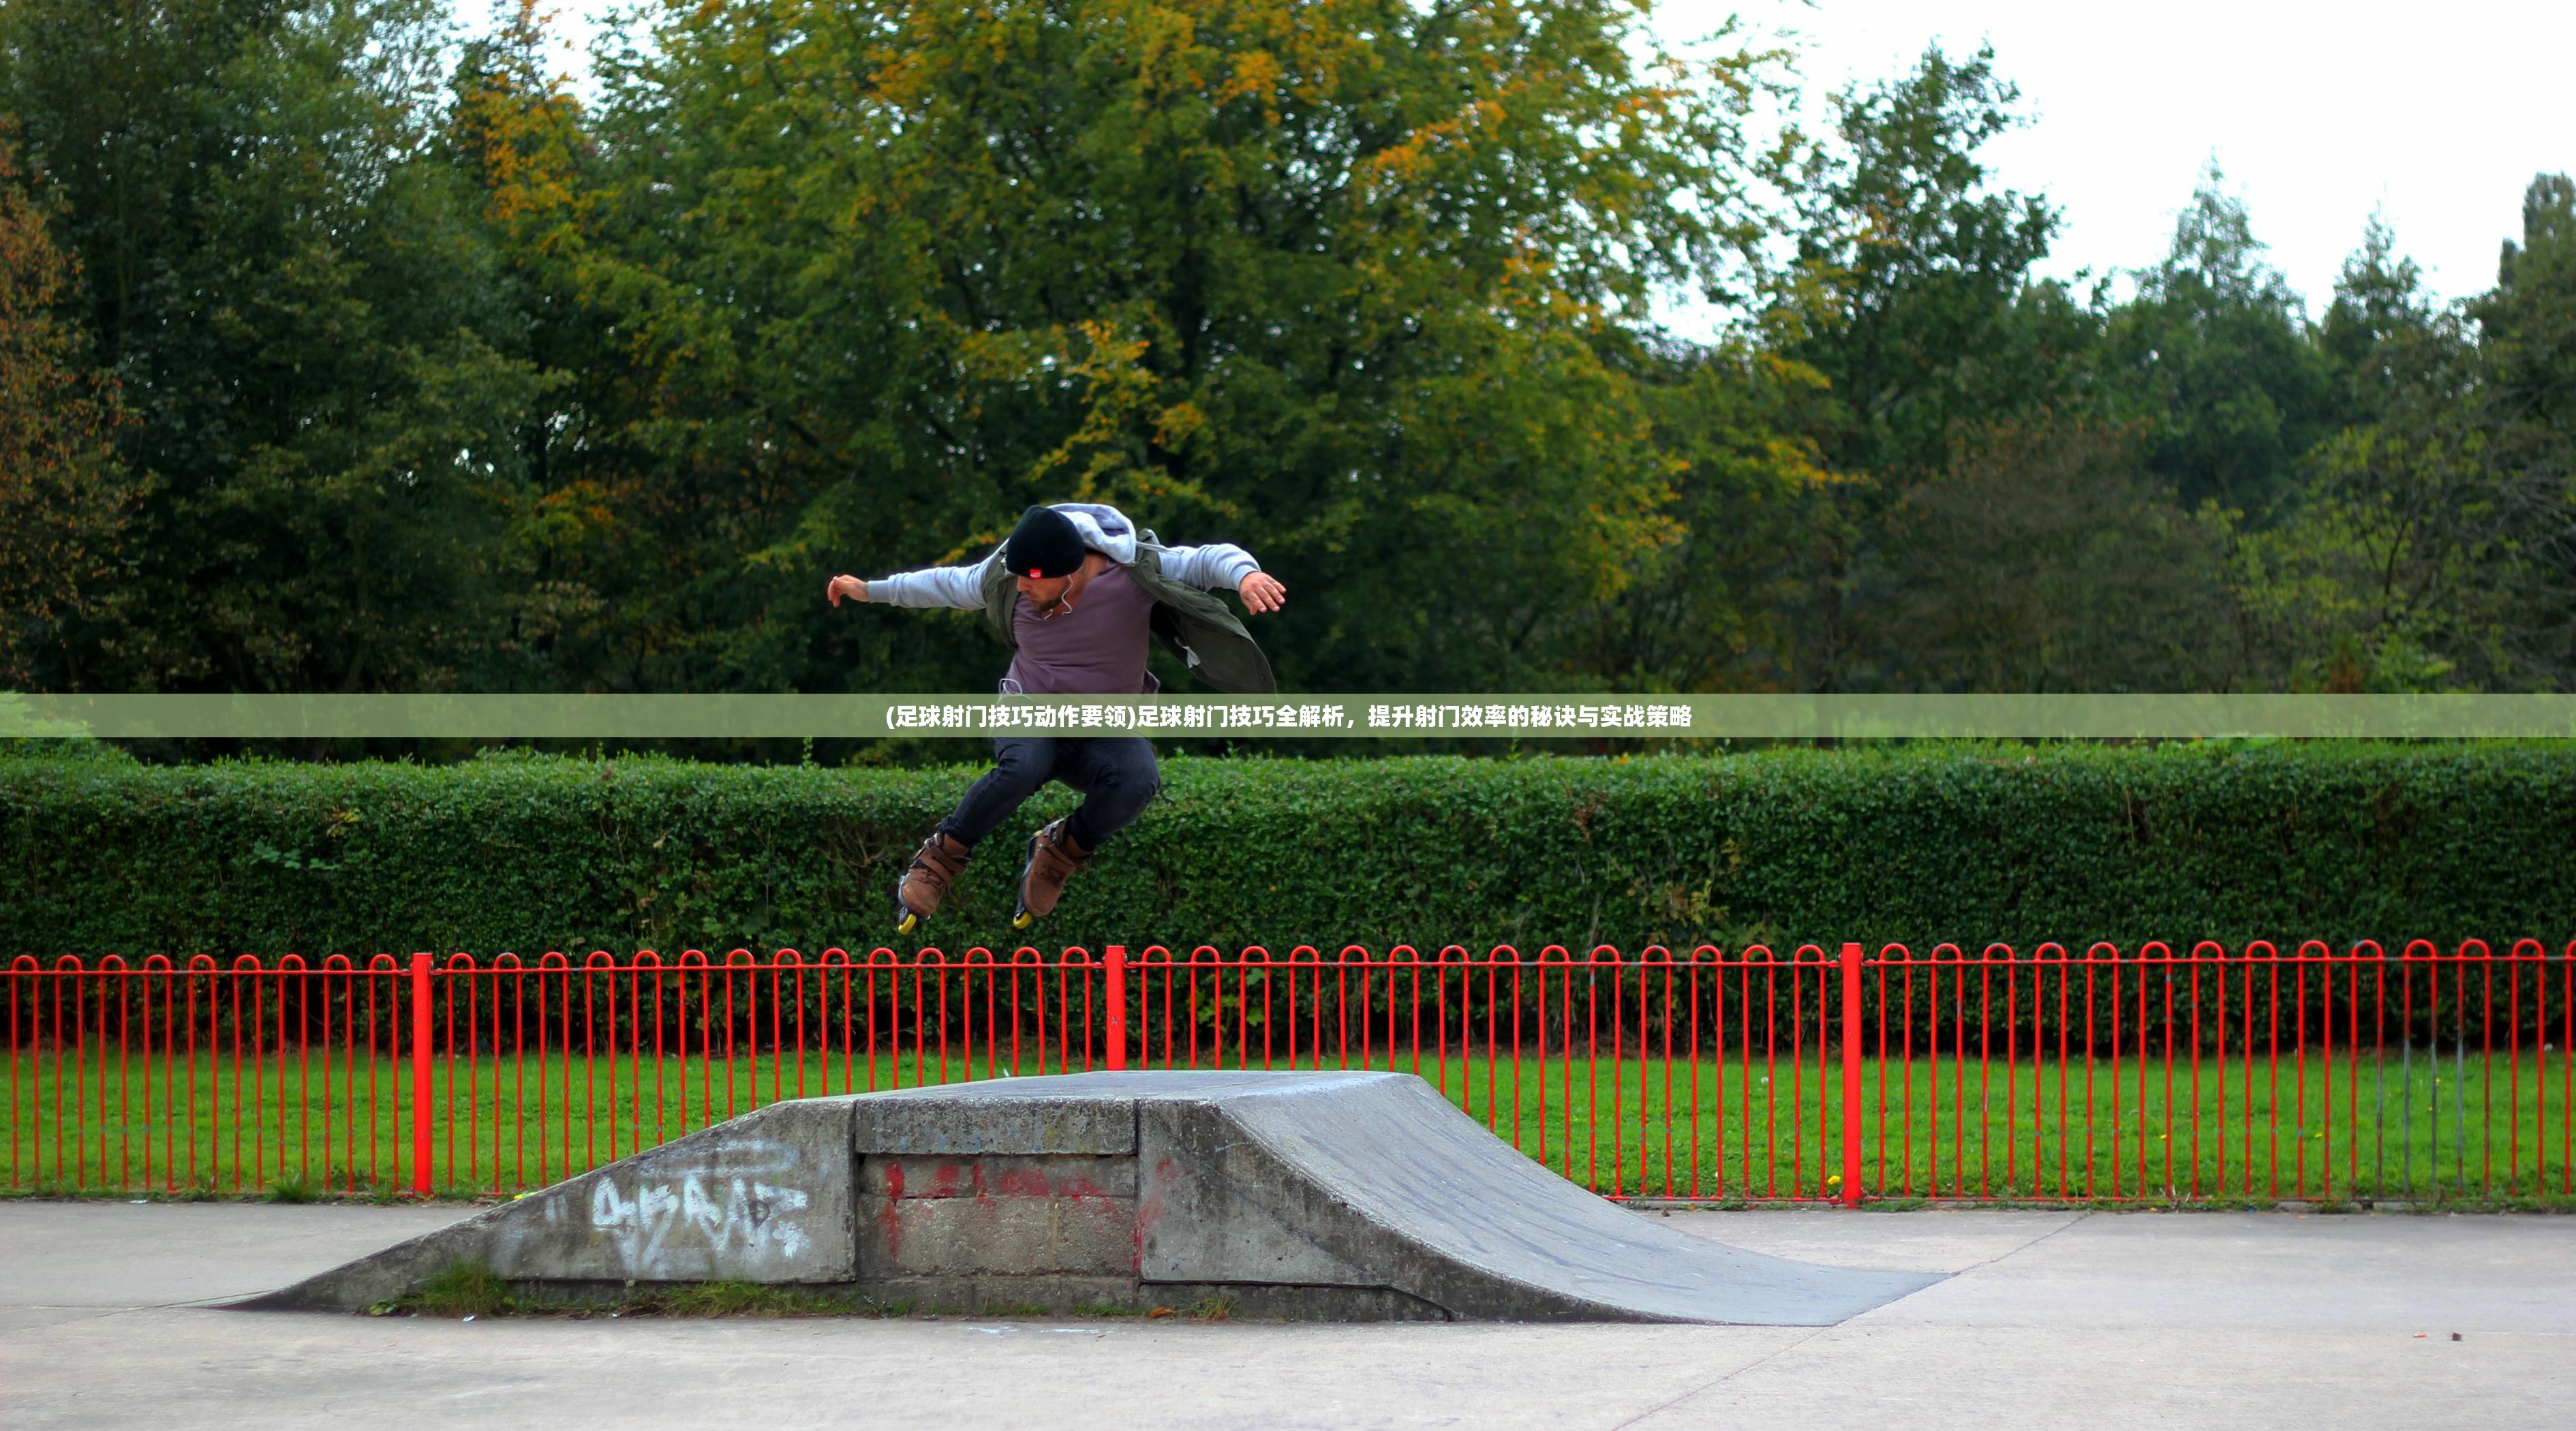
pixel 1310 1196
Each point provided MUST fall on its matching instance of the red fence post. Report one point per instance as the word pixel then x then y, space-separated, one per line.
pixel 1851 1075
pixel 420 1075
pixel 1117 1007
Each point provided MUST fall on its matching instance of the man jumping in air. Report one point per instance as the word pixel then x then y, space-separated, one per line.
pixel 1074 592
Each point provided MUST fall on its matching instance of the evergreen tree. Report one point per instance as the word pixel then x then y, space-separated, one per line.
pixel 2526 330
pixel 1909 325
pixel 1914 297
pixel 2215 358
pixel 279 272
pixel 2436 545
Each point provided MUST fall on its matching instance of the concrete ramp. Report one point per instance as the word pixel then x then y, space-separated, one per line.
pixel 1329 1196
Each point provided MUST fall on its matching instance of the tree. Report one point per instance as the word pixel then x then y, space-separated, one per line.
pixel 2527 343
pixel 1909 317
pixel 2434 545
pixel 2046 560
pixel 2214 356
pixel 64 498
pixel 2379 308
pixel 1913 278
pixel 279 273
pixel 1717 611
pixel 1357 283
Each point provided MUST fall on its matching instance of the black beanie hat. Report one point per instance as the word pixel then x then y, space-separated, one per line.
pixel 1045 544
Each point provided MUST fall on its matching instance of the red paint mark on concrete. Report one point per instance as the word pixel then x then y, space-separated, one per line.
pixel 1023 1182
pixel 1149 1209
pixel 943 1180
pixel 893 1218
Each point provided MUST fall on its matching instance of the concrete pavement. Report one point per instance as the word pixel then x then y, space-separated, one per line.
pixel 2105 1320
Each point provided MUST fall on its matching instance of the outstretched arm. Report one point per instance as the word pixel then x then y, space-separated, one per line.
pixel 961 587
pixel 1222 566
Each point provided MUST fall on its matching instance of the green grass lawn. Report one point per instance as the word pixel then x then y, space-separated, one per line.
pixel 317 1124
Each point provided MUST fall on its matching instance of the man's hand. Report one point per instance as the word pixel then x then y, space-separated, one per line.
pixel 849 586
pixel 1262 592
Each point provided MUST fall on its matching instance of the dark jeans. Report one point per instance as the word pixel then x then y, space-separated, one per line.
pixel 1116 776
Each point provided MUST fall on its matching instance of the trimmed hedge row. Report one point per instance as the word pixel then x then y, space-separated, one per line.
pixel 517 852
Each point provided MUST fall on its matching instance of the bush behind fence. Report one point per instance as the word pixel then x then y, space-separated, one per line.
pixel 2223 841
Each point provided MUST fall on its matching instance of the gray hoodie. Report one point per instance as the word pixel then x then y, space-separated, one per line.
pixel 1218 566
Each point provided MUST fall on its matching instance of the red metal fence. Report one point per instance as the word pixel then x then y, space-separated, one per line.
pixel 2152 1074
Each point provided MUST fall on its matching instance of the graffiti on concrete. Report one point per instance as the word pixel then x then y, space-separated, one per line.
pixel 685 1221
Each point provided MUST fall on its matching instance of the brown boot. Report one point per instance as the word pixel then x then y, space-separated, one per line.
pixel 1053 857
pixel 934 866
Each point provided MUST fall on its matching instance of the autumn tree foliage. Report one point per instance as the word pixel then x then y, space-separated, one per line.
pixel 1359 283
pixel 437 369
pixel 65 499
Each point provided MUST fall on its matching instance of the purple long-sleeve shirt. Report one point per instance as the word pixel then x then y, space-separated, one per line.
pixel 1096 649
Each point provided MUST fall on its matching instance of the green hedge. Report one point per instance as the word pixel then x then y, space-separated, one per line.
pixel 2230 841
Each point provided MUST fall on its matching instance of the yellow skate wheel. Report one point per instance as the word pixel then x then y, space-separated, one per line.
pixel 1023 920
pixel 909 923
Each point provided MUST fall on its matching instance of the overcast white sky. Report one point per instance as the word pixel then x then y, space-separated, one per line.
pixel 2437 115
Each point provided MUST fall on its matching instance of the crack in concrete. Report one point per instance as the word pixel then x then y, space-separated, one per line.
pixel 1712 1385
pixel 2083 1216
pixel 1780 1351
